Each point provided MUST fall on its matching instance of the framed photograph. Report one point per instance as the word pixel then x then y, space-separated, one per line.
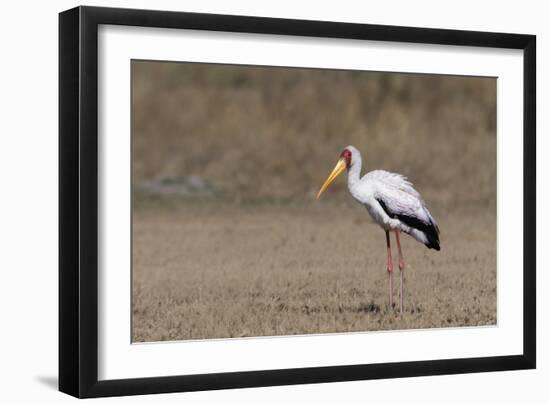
pixel 251 201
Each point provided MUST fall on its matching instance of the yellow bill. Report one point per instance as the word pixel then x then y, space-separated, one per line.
pixel 340 166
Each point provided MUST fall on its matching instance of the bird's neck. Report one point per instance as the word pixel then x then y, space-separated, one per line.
pixel 354 173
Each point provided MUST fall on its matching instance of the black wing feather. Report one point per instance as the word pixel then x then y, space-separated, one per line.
pixel 429 229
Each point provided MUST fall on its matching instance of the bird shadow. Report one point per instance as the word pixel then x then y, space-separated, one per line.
pixel 48 381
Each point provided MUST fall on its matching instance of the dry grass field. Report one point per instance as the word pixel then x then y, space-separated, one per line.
pixel 228 239
pixel 216 271
pixel 274 133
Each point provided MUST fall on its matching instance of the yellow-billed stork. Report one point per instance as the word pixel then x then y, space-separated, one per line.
pixel 392 202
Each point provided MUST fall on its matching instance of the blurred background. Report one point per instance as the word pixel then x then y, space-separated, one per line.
pixel 249 133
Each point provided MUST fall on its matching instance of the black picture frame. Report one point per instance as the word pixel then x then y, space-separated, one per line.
pixel 78 201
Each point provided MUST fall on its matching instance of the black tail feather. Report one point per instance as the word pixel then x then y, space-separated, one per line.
pixel 429 229
pixel 433 242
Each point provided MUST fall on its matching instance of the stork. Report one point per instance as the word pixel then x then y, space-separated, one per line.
pixel 393 203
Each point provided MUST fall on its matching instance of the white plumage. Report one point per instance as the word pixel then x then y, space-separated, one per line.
pixel 391 201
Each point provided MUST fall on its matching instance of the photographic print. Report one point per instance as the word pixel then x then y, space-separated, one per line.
pixel 247 186
pixel 272 201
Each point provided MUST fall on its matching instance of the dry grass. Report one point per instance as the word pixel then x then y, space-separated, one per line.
pixel 214 271
pixel 260 132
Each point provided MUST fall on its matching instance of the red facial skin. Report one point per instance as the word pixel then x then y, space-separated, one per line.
pixel 346 155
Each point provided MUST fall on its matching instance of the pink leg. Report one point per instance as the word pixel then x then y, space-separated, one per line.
pixel 401 269
pixel 390 268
